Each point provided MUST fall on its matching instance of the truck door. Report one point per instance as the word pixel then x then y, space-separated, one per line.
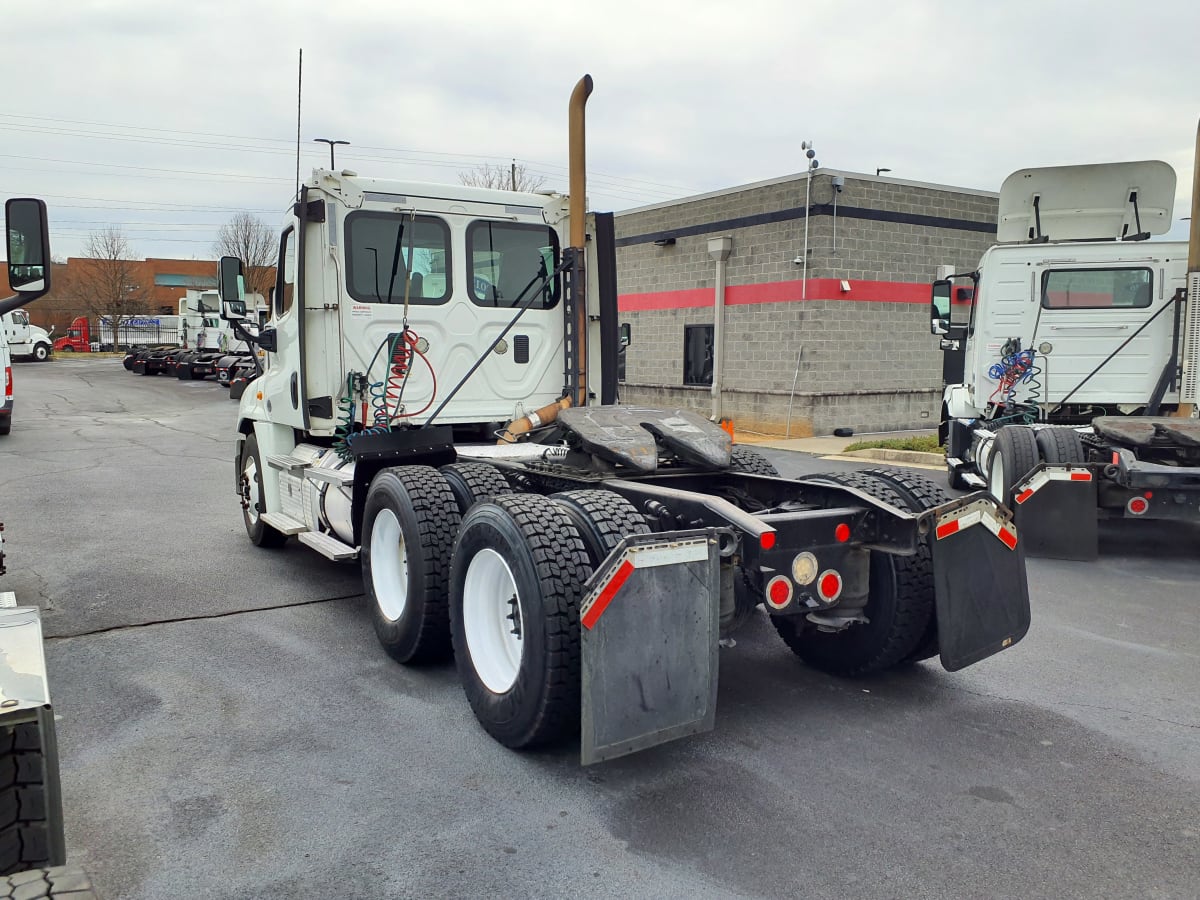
pixel 1088 312
pixel 281 383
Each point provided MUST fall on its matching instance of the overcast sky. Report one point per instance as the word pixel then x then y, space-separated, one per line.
pixel 168 118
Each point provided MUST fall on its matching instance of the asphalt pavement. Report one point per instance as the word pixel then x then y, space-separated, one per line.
pixel 230 727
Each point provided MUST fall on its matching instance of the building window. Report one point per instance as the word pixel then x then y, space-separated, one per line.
pixel 697 354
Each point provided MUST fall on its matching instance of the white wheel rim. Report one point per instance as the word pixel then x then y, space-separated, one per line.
pixel 389 565
pixel 996 477
pixel 250 474
pixel 488 592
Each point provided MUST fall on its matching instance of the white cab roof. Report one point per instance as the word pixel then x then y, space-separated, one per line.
pixel 1087 202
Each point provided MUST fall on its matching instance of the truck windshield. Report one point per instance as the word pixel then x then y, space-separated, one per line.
pixel 504 257
pixel 371 240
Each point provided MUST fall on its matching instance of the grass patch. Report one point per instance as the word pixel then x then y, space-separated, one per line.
pixel 927 443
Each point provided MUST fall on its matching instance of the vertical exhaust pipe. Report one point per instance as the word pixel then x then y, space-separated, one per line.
pixel 577 155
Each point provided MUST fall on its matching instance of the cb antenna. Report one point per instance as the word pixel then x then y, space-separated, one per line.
pixel 299 91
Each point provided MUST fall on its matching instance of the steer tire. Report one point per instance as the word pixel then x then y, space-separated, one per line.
pixel 25 820
pixel 1060 446
pixel 1014 453
pixel 603 519
pixel 58 883
pixel 519 563
pixel 899 606
pixel 921 494
pixel 472 482
pixel 409 522
pixel 749 460
pixel 250 480
pixel 41 352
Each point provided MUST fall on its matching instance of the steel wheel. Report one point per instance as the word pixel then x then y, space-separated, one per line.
pixel 492 620
pixel 389 565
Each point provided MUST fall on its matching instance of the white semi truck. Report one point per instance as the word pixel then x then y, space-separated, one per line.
pixel 1076 357
pixel 25 341
pixel 439 403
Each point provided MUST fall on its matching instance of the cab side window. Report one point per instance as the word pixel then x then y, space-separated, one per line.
pixel 285 285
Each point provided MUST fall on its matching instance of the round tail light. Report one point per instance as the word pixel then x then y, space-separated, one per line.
pixel 779 592
pixel 829 586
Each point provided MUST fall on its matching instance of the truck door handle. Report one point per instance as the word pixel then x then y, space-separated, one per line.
pixel 295 390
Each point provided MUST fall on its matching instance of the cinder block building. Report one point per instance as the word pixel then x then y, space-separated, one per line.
pixel 842 341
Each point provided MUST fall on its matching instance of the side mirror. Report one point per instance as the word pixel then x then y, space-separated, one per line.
pixel 939 319
pixel 231 284
pixel 28 246
pixel 626 334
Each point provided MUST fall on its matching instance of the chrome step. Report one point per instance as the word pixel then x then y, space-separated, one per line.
pixel 8 599
pixel 973 480
pixel 954 462
pixel 328 546
pixel 287 463
pixel 283 524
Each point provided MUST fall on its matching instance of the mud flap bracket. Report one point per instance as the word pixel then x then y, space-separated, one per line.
pixel 980 587
pixel 649 629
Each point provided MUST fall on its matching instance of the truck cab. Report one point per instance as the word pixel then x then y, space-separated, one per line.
pixel 78 338
pixel 1078 335
pixel 26 340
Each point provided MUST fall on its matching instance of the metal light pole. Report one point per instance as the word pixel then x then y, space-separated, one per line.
pixel 810 154
pixel 331 144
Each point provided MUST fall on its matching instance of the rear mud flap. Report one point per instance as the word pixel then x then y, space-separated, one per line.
pixel 1055 509
pixel 979 581
pixel 649 628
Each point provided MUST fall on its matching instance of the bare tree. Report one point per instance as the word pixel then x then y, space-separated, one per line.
pixel 109 281
pixel 252 241
pixel 514 177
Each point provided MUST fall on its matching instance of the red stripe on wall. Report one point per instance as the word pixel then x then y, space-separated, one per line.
pixel 781 292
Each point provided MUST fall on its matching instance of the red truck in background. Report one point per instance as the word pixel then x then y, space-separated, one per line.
pixel 78 338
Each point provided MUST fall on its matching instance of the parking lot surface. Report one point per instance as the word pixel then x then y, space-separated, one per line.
pixel 230 728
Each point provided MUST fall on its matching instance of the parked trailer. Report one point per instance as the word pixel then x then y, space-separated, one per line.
pixel 1077 373
pixel 581 558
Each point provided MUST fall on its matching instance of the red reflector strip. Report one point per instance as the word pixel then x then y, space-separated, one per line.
pixel 1116 458
pixel 596 610
pixel 1024 495
pixel 946 529
pixel 1081 476
pixel 1008 538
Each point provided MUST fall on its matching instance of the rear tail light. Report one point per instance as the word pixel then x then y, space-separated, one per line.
pixel 1137 505
pixel 829 586
pixel 779 592
pixel 7 382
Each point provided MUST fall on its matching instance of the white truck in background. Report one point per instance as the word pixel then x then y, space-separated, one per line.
pixel 1079 360
pixel 25 341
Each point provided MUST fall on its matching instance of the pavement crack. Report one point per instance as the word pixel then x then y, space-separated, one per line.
pixel 221 615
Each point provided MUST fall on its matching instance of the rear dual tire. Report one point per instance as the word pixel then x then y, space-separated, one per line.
pixel 516 582
pixel 409 523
